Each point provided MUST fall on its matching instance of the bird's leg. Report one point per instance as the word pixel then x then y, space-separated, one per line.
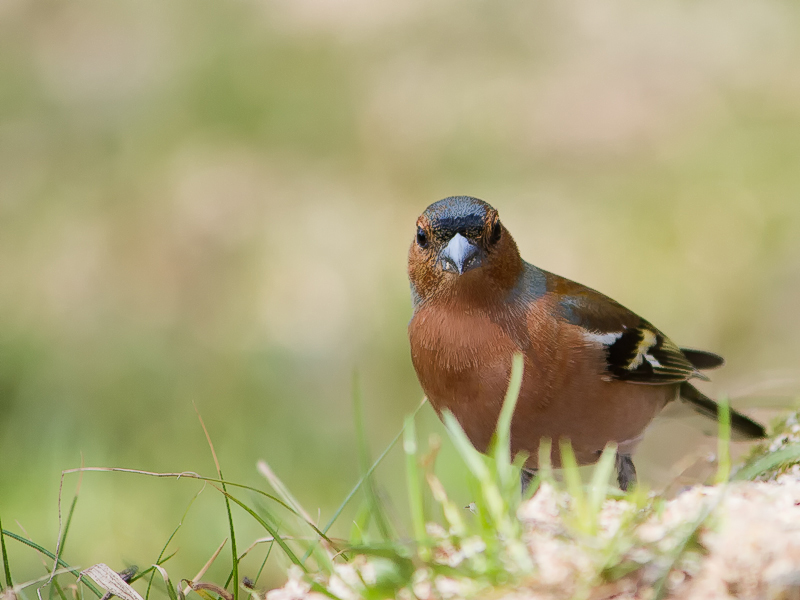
pixel 525 478
pixel 626 472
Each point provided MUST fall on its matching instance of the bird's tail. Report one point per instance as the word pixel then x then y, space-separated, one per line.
pixel 742 427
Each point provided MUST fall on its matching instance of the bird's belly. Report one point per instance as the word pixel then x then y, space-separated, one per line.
pixel 465 368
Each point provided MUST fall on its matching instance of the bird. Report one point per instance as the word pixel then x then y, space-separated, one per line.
pixel 594 372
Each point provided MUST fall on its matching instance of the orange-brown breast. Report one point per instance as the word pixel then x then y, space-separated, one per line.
pixel 463 361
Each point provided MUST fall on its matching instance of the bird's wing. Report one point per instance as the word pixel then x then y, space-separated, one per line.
pixel 635 351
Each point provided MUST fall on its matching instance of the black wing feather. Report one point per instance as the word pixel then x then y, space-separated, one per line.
pixel 702 359
pixel 644 355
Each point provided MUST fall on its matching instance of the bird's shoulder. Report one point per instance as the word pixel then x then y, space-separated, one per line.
pixel 635 350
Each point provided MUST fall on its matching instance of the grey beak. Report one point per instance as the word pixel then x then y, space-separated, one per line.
pixel 460 255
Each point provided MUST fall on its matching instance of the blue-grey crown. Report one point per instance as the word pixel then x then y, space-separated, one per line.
pixel 457 214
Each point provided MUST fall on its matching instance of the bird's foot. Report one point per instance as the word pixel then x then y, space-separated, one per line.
pixel 525 478
pixel 626 472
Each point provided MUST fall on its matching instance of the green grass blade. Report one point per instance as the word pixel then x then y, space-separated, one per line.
pixel 466 450
pixel 415 497
pixel 360 525
pixel 769 462
pixel 234 554
pixel 264 563
pixel 475 463
pixel 569 465
pixel 283 491
pixel 151 570
pixel 501 445
pixel 59 590
pixel 272 531
pixel 724 442
pixel 600 477
pixel 67 524
pixel 452 513
pixel 545 470
pixel 375 504
pixel 170 589
pixel 51 556
pixel 6 566
pixel 321 589
pixel 63 539
pixel 572 478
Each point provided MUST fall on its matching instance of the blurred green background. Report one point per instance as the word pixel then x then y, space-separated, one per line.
pixel 210 203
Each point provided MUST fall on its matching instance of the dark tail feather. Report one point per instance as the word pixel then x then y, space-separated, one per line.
pixel 742 428
pixel 703 360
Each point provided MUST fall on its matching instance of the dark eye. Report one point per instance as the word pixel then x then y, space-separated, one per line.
pixel 497 231
pixel 422 237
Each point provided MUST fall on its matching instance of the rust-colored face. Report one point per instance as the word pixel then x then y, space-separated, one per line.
pixel 460 244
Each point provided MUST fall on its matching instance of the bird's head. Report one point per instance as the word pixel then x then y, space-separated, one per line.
pixel 462 249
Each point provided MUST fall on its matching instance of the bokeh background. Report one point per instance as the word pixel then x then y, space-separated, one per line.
pixel 210 203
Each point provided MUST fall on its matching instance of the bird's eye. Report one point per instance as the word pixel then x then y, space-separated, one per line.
pixel 497 231
pixel 422 237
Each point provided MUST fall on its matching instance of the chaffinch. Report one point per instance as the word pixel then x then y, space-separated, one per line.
pixel 594 372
